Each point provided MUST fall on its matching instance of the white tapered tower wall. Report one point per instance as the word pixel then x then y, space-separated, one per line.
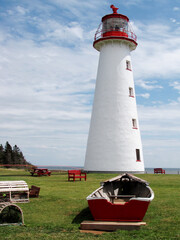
pixel 112 140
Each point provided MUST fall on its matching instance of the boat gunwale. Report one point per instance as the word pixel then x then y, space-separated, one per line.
pixel 146 199
pixel 126 175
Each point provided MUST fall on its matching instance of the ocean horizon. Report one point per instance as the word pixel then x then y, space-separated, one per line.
pixel 147 170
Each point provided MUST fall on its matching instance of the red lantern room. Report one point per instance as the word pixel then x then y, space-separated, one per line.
pixel 115 26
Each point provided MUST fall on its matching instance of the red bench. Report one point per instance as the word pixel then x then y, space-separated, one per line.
pixel 40 172
pixel 159 170
pixel 73 174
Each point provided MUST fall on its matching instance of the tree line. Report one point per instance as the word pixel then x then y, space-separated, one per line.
pixel 12 156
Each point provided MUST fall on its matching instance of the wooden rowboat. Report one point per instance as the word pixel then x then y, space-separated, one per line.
pixel 123 198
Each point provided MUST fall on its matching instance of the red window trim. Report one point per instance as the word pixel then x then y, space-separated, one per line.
pixel 131 92
pixel 138 156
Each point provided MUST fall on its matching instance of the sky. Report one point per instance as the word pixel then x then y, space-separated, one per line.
pixel 48 70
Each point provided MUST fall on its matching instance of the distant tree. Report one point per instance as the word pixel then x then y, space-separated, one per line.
pixel 1 154
pixel 16 155
pixel 7 154
pixel 22 159
pixel 12 156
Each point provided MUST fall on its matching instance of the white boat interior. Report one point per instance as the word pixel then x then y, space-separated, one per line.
pixel 122 189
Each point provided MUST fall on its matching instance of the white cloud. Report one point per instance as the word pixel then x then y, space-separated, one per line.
pixel 176 9
pixel 160 130
pixel 144 95
pixel 45 96
pixel 131 2
pixel 175 85
pixel 21 10
pixel 173 20
pixel 54 30
pixel 160 120
pixel 158 53
pixel 148 85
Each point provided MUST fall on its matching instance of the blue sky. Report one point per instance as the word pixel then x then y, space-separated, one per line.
pixel 48 69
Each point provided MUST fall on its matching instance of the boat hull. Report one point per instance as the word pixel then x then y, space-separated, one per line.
pixel 132 211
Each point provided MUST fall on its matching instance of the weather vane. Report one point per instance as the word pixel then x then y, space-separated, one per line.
pixel 114 9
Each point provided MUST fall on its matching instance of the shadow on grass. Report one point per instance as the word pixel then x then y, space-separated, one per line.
pixel 85 214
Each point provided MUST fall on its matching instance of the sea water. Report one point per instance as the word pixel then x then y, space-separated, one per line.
pixel 147 170
pixel 167 170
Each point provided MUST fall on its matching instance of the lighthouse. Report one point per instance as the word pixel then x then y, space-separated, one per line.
pixel 114 141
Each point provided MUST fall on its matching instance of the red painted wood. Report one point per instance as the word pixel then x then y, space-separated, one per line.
pixel 159 170
pixel 40 172
pixel 103 210
pixel 73 174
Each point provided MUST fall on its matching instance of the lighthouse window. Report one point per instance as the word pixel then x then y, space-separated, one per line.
pixel 131 92
pixel 138 157
pixel 134 123
pixel 128 65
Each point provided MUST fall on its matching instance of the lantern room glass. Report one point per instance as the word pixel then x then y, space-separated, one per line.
pixel 115 24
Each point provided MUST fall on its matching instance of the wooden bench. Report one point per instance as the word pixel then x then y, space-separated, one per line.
pixel 121 198
pixel 40 172
pixel 73 174
pixel 159 170
pixel 34 191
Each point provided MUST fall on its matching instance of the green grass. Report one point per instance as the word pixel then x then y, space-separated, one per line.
pixel 62 206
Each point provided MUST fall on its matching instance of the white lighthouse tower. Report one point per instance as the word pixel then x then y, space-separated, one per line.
pixel 114 141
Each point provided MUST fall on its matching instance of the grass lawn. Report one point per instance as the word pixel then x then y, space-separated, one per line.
pixel 62 206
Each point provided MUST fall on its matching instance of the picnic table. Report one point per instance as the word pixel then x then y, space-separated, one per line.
pixel 40 172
